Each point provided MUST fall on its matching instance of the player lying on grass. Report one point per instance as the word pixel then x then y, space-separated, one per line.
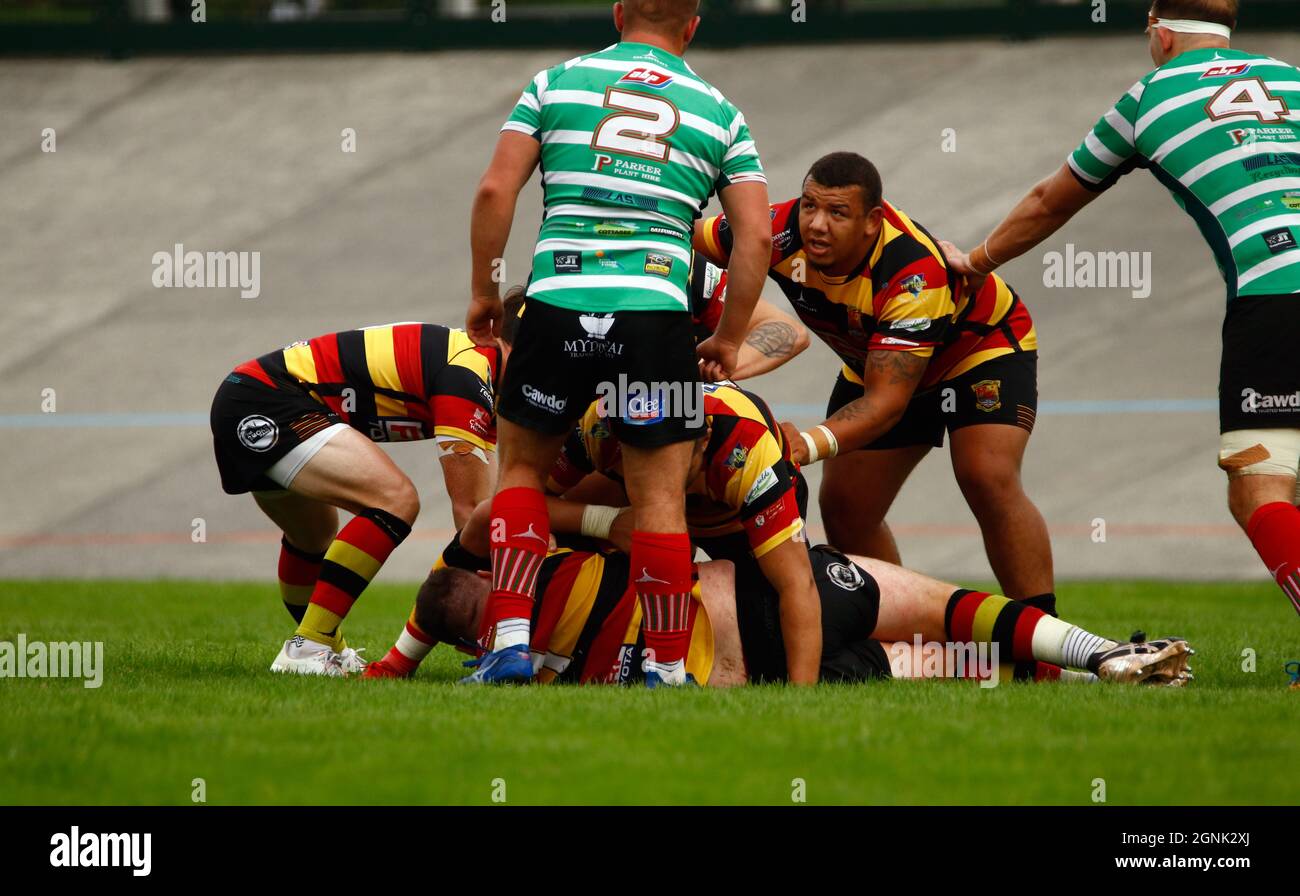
pixel 586 627
pixel 297 428
pixel 744 499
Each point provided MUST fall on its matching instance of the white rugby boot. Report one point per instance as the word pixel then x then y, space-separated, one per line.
pixel 303 657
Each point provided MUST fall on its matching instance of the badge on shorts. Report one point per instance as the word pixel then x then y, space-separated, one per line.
pixel 988 395
pixel 656 263
pixel 844 576
pixel 257 433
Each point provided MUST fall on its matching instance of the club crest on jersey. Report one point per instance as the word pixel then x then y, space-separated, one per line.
pixel 1226 71
pixel 647 77
pixel 914 284
pixel 596 325
pixel 988 395
pixel 258 433
pixel 739 455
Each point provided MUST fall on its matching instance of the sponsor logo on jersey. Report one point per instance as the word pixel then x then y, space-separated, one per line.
pixel 656 263
pixel 1226 71
pixel 1279 240
pixel 599 429
pixel 480 422
pixel 765 481
pixel 668 231
pixel 257 433
pixel 844 576
pixel 1291 200
pixel 401 431
pixel 567 262
pixel 772 513
pixel 540 399
pixel 614 228
pixel 647 77
pixel 596 325
pixel 782 240
pixel 712 277
pixel 988 395
pixel 914 284
pixel 894 340
pixel 606 262
pixel 911 324
pixel 618 197
pixel 738 456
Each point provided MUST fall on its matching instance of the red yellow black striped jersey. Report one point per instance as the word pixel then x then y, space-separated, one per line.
pixel 748 482
pixel 900 298
pixel 394 383
pixel 586 625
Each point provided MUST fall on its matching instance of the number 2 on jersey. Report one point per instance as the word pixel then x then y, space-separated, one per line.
pixel 1246 96
pixel 639 127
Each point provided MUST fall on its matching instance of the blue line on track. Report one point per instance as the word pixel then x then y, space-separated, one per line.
pixel 1101 407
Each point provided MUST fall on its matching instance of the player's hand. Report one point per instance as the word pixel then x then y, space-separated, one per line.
pixel 718 358
pixel 483 320
pixel 620 534
pixel 960 262
pixel 798 447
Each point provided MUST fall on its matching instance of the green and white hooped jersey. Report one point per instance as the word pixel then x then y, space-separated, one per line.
pixel 633 145
pixel 1221 130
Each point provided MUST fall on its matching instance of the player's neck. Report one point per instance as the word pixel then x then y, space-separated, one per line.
pixel 650 38
pixel 1193 42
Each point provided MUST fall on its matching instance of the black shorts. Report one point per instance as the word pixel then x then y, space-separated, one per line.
pixel 850 600
pixel 643 361
pixel 254 425
pixel 1259 374
pixel 1002 390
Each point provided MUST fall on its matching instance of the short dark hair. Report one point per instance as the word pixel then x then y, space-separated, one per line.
pixel 512 304
pixel 1221 12
pixel 447 604
pixel 848 169
pixel 660 15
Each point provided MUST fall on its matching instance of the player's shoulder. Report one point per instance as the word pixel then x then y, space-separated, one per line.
pixel 553 76
pixel 903 243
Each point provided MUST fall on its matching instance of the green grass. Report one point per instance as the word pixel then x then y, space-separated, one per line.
pixel 186 695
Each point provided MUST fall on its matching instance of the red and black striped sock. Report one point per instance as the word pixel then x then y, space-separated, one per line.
pixel 350 563
pixel 520 539
pixel 297 571
pixel 662 575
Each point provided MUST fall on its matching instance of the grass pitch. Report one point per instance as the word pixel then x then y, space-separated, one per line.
pixel 186 694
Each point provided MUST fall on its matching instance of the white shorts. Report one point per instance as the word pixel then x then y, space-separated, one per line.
pixel 284 470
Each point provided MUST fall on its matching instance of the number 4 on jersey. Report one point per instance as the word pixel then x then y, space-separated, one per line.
pixel 1246 96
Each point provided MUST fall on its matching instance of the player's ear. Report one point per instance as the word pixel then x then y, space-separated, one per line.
pixel 691 26
pixel 874 218
pixel 618 17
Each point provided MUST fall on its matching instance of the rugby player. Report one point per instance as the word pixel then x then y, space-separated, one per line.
pixel 587 627
pixel 632 143
pixel 297 428
pixel 920 356
pixel 1220 128
pixel 745 503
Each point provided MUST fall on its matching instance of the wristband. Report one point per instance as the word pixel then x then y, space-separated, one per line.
pixel 598 519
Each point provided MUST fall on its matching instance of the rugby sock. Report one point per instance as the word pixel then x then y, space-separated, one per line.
pixel 662 576
pixel 1045 602
pixel 1021 632
pixel 350 563
pixel 1274 530
pixel 521 536
pixel 1033 670
pixel 297 571
pixel 412 646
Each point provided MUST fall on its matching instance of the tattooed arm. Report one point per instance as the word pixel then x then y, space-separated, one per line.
pixel 889 380
pixel 774 338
